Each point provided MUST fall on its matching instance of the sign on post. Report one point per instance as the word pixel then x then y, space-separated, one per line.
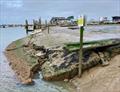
pixel 81 24
pixel 81 21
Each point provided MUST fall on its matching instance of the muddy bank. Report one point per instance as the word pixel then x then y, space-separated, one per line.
pixel 19 61
pixel 64 64
pixel 100 79
pixel 43 52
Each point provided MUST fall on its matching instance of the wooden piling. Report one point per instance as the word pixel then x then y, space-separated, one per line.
pixel 40 23
pixel 48 28
pixel 26 26
pixel 81 51
pixel 34 25
pixel 45 23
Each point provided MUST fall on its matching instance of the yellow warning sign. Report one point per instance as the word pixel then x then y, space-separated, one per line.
pixel 81 21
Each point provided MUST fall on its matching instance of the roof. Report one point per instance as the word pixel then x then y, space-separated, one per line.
pixel 116 17
pixel 60 18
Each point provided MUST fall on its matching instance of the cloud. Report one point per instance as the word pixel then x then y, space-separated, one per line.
pixel 11 3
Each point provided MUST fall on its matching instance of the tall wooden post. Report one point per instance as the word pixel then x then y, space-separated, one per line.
pixel 40 23
pixel 26 26
pixel 48 28
pixel 34 25
pixel 81 24
pixel 45 23
pixel 81 50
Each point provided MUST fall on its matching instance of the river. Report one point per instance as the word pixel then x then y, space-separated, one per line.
pixel 8 80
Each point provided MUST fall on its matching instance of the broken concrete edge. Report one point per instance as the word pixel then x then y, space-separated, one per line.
pixel 23 79
pixel 31 70
pixel 51 73
pixel 66 74
pixel 25 76
pixel 61 75
pixel 74 46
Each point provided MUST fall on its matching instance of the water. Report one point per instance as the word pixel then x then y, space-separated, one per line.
pixel 8 80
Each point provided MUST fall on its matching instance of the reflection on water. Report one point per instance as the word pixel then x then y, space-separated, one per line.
pixel 8 80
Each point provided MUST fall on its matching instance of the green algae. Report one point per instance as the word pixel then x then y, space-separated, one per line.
pixel 91 44
pixel 20 53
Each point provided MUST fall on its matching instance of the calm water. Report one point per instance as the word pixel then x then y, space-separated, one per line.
pixel 8 80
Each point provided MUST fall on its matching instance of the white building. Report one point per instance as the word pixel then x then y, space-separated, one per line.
pixel 103 19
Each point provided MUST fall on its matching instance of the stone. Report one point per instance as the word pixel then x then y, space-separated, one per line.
pixel 54 55
pixel 41 48
pixel 28 81
pixel 66 80
pixel 40 54
pixel 105 63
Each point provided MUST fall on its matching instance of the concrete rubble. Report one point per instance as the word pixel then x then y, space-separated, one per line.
pixel 56 58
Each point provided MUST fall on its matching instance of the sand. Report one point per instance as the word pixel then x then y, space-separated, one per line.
pixel 100 79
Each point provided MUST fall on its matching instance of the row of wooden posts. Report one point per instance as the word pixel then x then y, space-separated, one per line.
pixel 36 25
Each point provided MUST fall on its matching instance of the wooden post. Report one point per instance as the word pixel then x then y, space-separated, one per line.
pixel 37 24
pixel 48 28
pixel 26 26
pixel 34 25
pixel 81 24
pixel 45 23
pixel 40 23
pixel 81 50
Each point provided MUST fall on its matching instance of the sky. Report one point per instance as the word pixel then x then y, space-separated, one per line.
pixel 16 11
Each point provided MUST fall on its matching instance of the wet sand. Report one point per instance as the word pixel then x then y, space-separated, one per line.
pixel 100 79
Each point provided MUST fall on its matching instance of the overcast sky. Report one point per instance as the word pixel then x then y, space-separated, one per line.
pixel 16 11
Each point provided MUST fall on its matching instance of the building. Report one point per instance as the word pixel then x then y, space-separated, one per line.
pixel 57 20
pixel 116 19
pixel 103 20
pixel 62 21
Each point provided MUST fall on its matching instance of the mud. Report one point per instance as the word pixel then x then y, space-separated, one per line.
pixel 24 61
pixel 100 79
pixel 22 70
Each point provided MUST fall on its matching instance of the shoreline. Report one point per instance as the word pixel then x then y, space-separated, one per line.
pixel 21 57
pixel 23 70
pixel 77 83
pixel 16 64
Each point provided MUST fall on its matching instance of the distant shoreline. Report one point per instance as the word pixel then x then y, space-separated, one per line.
pixel 21 25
